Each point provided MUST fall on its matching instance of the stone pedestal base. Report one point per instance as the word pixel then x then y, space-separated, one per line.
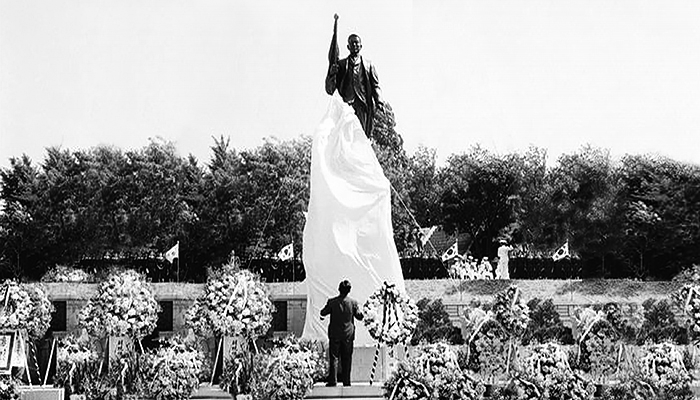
pixel 363 357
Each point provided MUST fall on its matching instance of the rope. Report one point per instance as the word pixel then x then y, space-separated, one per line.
pixel 32 349
pixel 269 214
pixel 374 364
pixel 410 214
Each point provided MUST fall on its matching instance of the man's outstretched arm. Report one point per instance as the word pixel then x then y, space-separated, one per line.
pixel 358 313
pixel 326 310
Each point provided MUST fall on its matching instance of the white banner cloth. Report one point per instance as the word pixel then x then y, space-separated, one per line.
pixel 348 232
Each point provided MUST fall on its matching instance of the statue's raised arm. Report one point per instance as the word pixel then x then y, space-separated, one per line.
pixel 334 51
pixel 333 56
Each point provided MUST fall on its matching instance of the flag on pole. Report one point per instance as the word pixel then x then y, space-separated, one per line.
pixel 452 252
pixel 173 253
pixel 561 252
pixel 286 253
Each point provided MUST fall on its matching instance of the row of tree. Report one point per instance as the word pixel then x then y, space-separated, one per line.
pixel 638 216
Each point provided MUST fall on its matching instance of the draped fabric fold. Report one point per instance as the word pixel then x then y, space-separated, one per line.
pixel 348 232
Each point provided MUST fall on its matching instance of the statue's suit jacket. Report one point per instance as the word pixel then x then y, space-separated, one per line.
pixel 342 81
pixel 343 310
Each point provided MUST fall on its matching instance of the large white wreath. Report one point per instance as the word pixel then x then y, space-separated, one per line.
pixel 234 303
pixel 124 306
pixel 390 315
pixel 15 306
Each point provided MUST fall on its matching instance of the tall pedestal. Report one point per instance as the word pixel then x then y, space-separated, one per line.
pixel 363 357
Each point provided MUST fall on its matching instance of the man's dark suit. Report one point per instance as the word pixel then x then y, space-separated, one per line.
pixel 363 100
pixel 341 335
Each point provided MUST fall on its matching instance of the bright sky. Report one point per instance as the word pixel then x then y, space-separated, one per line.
pixel 623 75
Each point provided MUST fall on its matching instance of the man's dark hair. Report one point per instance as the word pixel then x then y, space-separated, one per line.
pixel 344 287
pixel 353 35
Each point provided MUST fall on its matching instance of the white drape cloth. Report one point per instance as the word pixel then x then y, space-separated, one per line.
pixel 348 232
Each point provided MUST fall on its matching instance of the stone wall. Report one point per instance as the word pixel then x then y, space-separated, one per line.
pixel 567 295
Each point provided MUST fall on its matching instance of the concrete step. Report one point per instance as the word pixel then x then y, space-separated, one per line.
pixel 358 390
pixel 208 392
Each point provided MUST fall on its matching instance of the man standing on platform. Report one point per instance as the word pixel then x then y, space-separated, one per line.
pixel 341 333
pixel 356 80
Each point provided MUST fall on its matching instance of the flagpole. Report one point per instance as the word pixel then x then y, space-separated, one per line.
pixel 177 277
pixel 293 269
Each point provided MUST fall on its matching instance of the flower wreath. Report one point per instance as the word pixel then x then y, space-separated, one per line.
pixel 390 315
pixel 598 349
pixel 42 308
pixel 233 303
pixel 124 306
pixel 545 360
pixel 547 368
pixel 688 299
pixel 15 306
pixel 511 311
pixel 8 388
pixel 283 373
pixel 172 371
pixel 663 362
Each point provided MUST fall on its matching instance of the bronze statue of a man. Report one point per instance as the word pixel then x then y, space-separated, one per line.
pixel 356 80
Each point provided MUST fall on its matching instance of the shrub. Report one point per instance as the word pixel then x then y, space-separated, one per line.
pixel 61 273
pixel 434 324
pixel 660 324
pixel 545 325
pixel 626 319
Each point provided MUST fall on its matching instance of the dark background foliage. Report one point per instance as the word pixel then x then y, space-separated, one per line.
pixel 636 217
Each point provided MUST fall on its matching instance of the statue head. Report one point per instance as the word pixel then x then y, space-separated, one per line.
pixel 344 287
pixel 354 44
